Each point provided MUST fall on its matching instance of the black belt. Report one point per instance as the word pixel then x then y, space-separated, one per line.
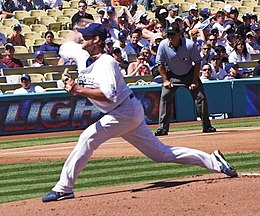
pixel 130 97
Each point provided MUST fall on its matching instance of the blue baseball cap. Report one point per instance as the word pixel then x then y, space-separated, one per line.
pixel 93 29
pixel 110 9
pixel 205 12
pixel 108 40
pixel 255 27
pixel 104 20
pixel 38 53
pixel 231 65
pixel 122 34
pixel 26 76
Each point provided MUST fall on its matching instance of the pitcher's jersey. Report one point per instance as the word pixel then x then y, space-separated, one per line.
pixel 105 74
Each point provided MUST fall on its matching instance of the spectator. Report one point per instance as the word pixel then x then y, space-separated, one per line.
pixel 244 28
pixel 111 16
pixel 203 16
pixel 49 45
pixel 191 20
pixel 135 38
pixel 139 67
pixel 206 73
pixel 220 18
pixel 112 32
pixel 95 3
pixel 256 29
pixel 253 19
pixel 232 71
pixel 9 59
pixel 2 65
pixel 256 71
pixel 125 48
pixel 145 3
pixel 250 43
pixel 216 70
pixel 205 54
pixel 7 7
pixel 101 14
pixel 16 38
pixel 233 15
pixel 230 43
pixel 53 4
pixel 109 46
pixel 212 41
pixel 240 53
pixel 146 53
pixel 123 64
pixel 27 86
pixel 161 14
pixel 221 51
pixel 182 69
pixel 35 5
pixel 82 8
pixel 3 39
pixel 39 59
pixel 246 73
pixel 173 10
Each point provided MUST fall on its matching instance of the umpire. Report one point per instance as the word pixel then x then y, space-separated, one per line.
pixel 179 62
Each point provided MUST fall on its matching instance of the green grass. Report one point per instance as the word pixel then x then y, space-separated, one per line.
pixel 17 143
pixel 24 181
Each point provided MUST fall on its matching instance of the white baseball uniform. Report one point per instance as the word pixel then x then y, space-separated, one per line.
pixel 125 118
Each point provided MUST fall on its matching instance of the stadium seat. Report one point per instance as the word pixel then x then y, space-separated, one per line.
pixel 65 4
pixel 38 28
pixel 45 20
pixel 54 26
pixel 69 12
pixel 31 35
pixel 37 77
pixel 249 3
pixel 21 49
pixel 26 28
pixel 10 22
pixel 20 14
pixel 38 41
pixel 38 13
pixel 29 20
pixel 64 33
pixel 74 4
pixel 6 30
pixel 53 12
pixel 13 79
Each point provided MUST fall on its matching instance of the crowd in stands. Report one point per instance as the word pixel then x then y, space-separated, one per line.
pixel 223 37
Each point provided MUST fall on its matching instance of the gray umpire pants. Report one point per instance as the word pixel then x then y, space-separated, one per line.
pixel 167 95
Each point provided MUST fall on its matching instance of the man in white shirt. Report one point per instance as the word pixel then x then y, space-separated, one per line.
pixel 103 84
pixel 27 86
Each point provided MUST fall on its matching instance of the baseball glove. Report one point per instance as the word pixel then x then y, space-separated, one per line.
pixel 66 78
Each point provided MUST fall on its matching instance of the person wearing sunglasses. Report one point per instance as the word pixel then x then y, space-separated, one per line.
pixel 82 13
pixel 206 73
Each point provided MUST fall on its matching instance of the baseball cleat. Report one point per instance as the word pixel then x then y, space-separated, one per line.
pixel 161 132
pixel 209 130
pixel 225 167
pixel 56 196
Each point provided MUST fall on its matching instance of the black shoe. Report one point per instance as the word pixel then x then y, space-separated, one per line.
pixel 209 130
pixel 161 132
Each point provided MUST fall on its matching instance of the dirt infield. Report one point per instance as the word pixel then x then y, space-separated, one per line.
pixel 202 195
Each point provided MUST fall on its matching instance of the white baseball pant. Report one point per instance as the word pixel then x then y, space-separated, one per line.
pixel 120 122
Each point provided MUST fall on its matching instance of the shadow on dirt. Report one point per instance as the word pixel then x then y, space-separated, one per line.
pixel 151 186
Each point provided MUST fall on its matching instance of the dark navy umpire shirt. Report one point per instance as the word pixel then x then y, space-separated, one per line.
pixel 181 61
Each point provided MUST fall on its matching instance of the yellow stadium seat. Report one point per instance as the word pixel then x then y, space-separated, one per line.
pixel 38 28
pixel 10 22
pixel 21 49
pixel 37 77
pixel 53 12
pixel 20 14
pixel 69 11
pixel 29 20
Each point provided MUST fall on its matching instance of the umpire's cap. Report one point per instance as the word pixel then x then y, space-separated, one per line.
pixel 173 29
pixel 94 29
